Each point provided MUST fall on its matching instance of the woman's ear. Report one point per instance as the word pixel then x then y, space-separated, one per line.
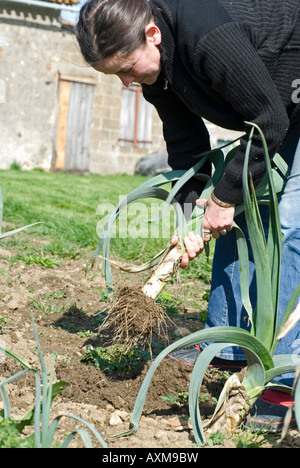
pixel 153 34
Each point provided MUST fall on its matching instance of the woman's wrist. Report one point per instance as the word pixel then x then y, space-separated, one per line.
pixel 221 203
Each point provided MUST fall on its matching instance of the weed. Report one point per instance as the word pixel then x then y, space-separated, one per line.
pixel 168 303
pixel 55 295
pixel 15 166
pixel 215 439
pixel 2 321
pixel 85 333
pixel 10 436
pixel 116 358
pixel 104 296
pixel 246 438
pixel 179 398
pixel 46 307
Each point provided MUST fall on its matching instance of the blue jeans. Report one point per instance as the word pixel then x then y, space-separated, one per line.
pixel 225 305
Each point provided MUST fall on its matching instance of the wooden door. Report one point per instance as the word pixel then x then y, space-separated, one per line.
pixel 74 119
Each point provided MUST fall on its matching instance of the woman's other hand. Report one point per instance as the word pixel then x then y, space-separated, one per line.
pixel 194 246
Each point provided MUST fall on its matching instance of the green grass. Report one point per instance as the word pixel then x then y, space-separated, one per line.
pixel 67 206
pixel 71 208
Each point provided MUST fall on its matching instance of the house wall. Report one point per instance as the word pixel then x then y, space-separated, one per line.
pixel 28 112
pixel 34 51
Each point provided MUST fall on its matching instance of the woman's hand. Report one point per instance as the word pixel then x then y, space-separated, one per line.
pixel 217 219
pixel 194 246
pixel 217 222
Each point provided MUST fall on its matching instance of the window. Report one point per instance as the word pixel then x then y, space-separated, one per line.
pixel 135 119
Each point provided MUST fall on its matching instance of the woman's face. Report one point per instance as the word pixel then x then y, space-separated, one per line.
pixel 141 66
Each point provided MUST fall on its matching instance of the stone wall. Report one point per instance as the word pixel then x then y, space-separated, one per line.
pixel 27 116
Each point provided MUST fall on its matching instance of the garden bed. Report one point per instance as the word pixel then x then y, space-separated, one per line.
pixel 67 306
pixel 43 271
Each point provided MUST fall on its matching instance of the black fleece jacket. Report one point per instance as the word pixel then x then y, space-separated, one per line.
pixel 229 62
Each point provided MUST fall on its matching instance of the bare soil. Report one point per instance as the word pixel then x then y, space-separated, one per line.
pixel 65 300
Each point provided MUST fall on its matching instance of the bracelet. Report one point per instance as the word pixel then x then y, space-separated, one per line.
pixel 220 203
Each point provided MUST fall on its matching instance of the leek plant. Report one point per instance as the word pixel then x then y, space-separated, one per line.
pixel 46 390
pixel 259 344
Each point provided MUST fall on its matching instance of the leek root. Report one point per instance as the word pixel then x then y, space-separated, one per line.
pixel 134 313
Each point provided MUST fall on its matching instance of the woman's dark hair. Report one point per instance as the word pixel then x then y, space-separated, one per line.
pixel 106 27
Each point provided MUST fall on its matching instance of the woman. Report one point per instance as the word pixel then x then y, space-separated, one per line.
pixel 230 63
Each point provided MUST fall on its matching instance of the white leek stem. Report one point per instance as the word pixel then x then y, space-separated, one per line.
pixel 164 271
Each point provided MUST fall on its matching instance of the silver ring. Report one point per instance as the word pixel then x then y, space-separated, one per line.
pixel 207 232
pixel 223 232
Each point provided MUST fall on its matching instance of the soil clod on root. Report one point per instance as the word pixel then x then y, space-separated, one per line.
pixel 133 316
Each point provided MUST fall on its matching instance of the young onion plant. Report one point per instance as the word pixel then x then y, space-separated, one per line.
pixel 259 344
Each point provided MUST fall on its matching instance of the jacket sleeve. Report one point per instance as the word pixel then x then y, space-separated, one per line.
pixel 185 133
pixel 235 71
pixel 186 137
